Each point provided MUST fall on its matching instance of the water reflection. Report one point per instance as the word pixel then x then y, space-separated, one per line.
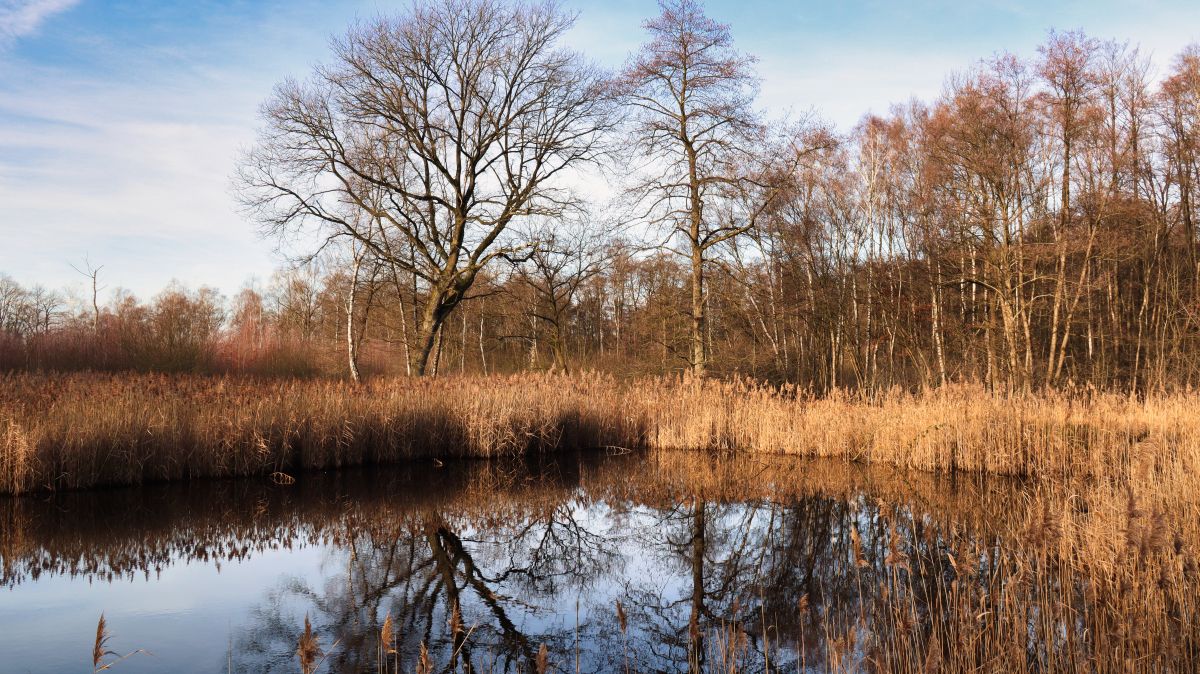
pixel 663 563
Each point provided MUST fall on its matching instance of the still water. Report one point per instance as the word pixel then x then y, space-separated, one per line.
pixel 663 562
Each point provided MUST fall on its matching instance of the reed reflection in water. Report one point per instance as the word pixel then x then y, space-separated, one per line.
pixel 594 563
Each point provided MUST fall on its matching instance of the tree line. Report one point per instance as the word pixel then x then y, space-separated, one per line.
pixel 1034 226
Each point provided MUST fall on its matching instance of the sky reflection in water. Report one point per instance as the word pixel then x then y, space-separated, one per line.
pixel 710 558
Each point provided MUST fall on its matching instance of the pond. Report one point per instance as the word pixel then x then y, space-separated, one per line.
pixel 664 562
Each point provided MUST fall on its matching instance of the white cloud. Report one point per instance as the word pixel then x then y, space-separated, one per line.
pixel 133 173
pixel 22 17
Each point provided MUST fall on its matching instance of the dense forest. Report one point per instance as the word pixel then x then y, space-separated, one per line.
pixel 1033 227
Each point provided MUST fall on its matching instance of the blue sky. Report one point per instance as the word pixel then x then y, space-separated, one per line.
pixel 120 120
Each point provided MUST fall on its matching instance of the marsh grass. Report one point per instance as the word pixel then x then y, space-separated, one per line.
pixel 81 430
pixel 84 430
pixel 100 649
pixel 1092 567
pixel 308 649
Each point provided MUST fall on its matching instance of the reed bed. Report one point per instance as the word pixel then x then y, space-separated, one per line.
pixel 1090 566
pixel 84 430
pixel 66 431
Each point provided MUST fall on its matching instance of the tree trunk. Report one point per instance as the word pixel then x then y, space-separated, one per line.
pixel 427 337
pixel 351 344
pixel 699 361
pixel 559 348
pixel 695 629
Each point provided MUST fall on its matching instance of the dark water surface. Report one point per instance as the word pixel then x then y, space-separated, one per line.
pixel 711 559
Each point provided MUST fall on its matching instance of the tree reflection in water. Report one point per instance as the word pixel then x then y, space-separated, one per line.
pixel 719 563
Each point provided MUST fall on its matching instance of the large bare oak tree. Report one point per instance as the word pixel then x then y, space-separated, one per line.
pixel 426 138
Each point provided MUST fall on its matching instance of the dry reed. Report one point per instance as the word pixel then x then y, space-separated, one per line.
pixel 100 649
pixel 308 649
pixel 1113 535
pixel 82 430
pixel 100 646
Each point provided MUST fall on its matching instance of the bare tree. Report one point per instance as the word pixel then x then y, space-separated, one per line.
pixel 566 257
pixel 13 300
pixel 444 126
pixel 1067 68
pixel 1180 111
pixel 295 298
pixel 692 92
pixel 93 275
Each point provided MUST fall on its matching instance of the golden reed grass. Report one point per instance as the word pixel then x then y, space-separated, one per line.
pixel 82 430
pixel 64 431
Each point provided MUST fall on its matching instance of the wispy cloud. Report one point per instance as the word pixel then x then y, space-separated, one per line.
pixel 118 140
pixel 22 17
pixel 133 173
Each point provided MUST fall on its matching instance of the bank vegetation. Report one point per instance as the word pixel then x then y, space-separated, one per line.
pixel 65 431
